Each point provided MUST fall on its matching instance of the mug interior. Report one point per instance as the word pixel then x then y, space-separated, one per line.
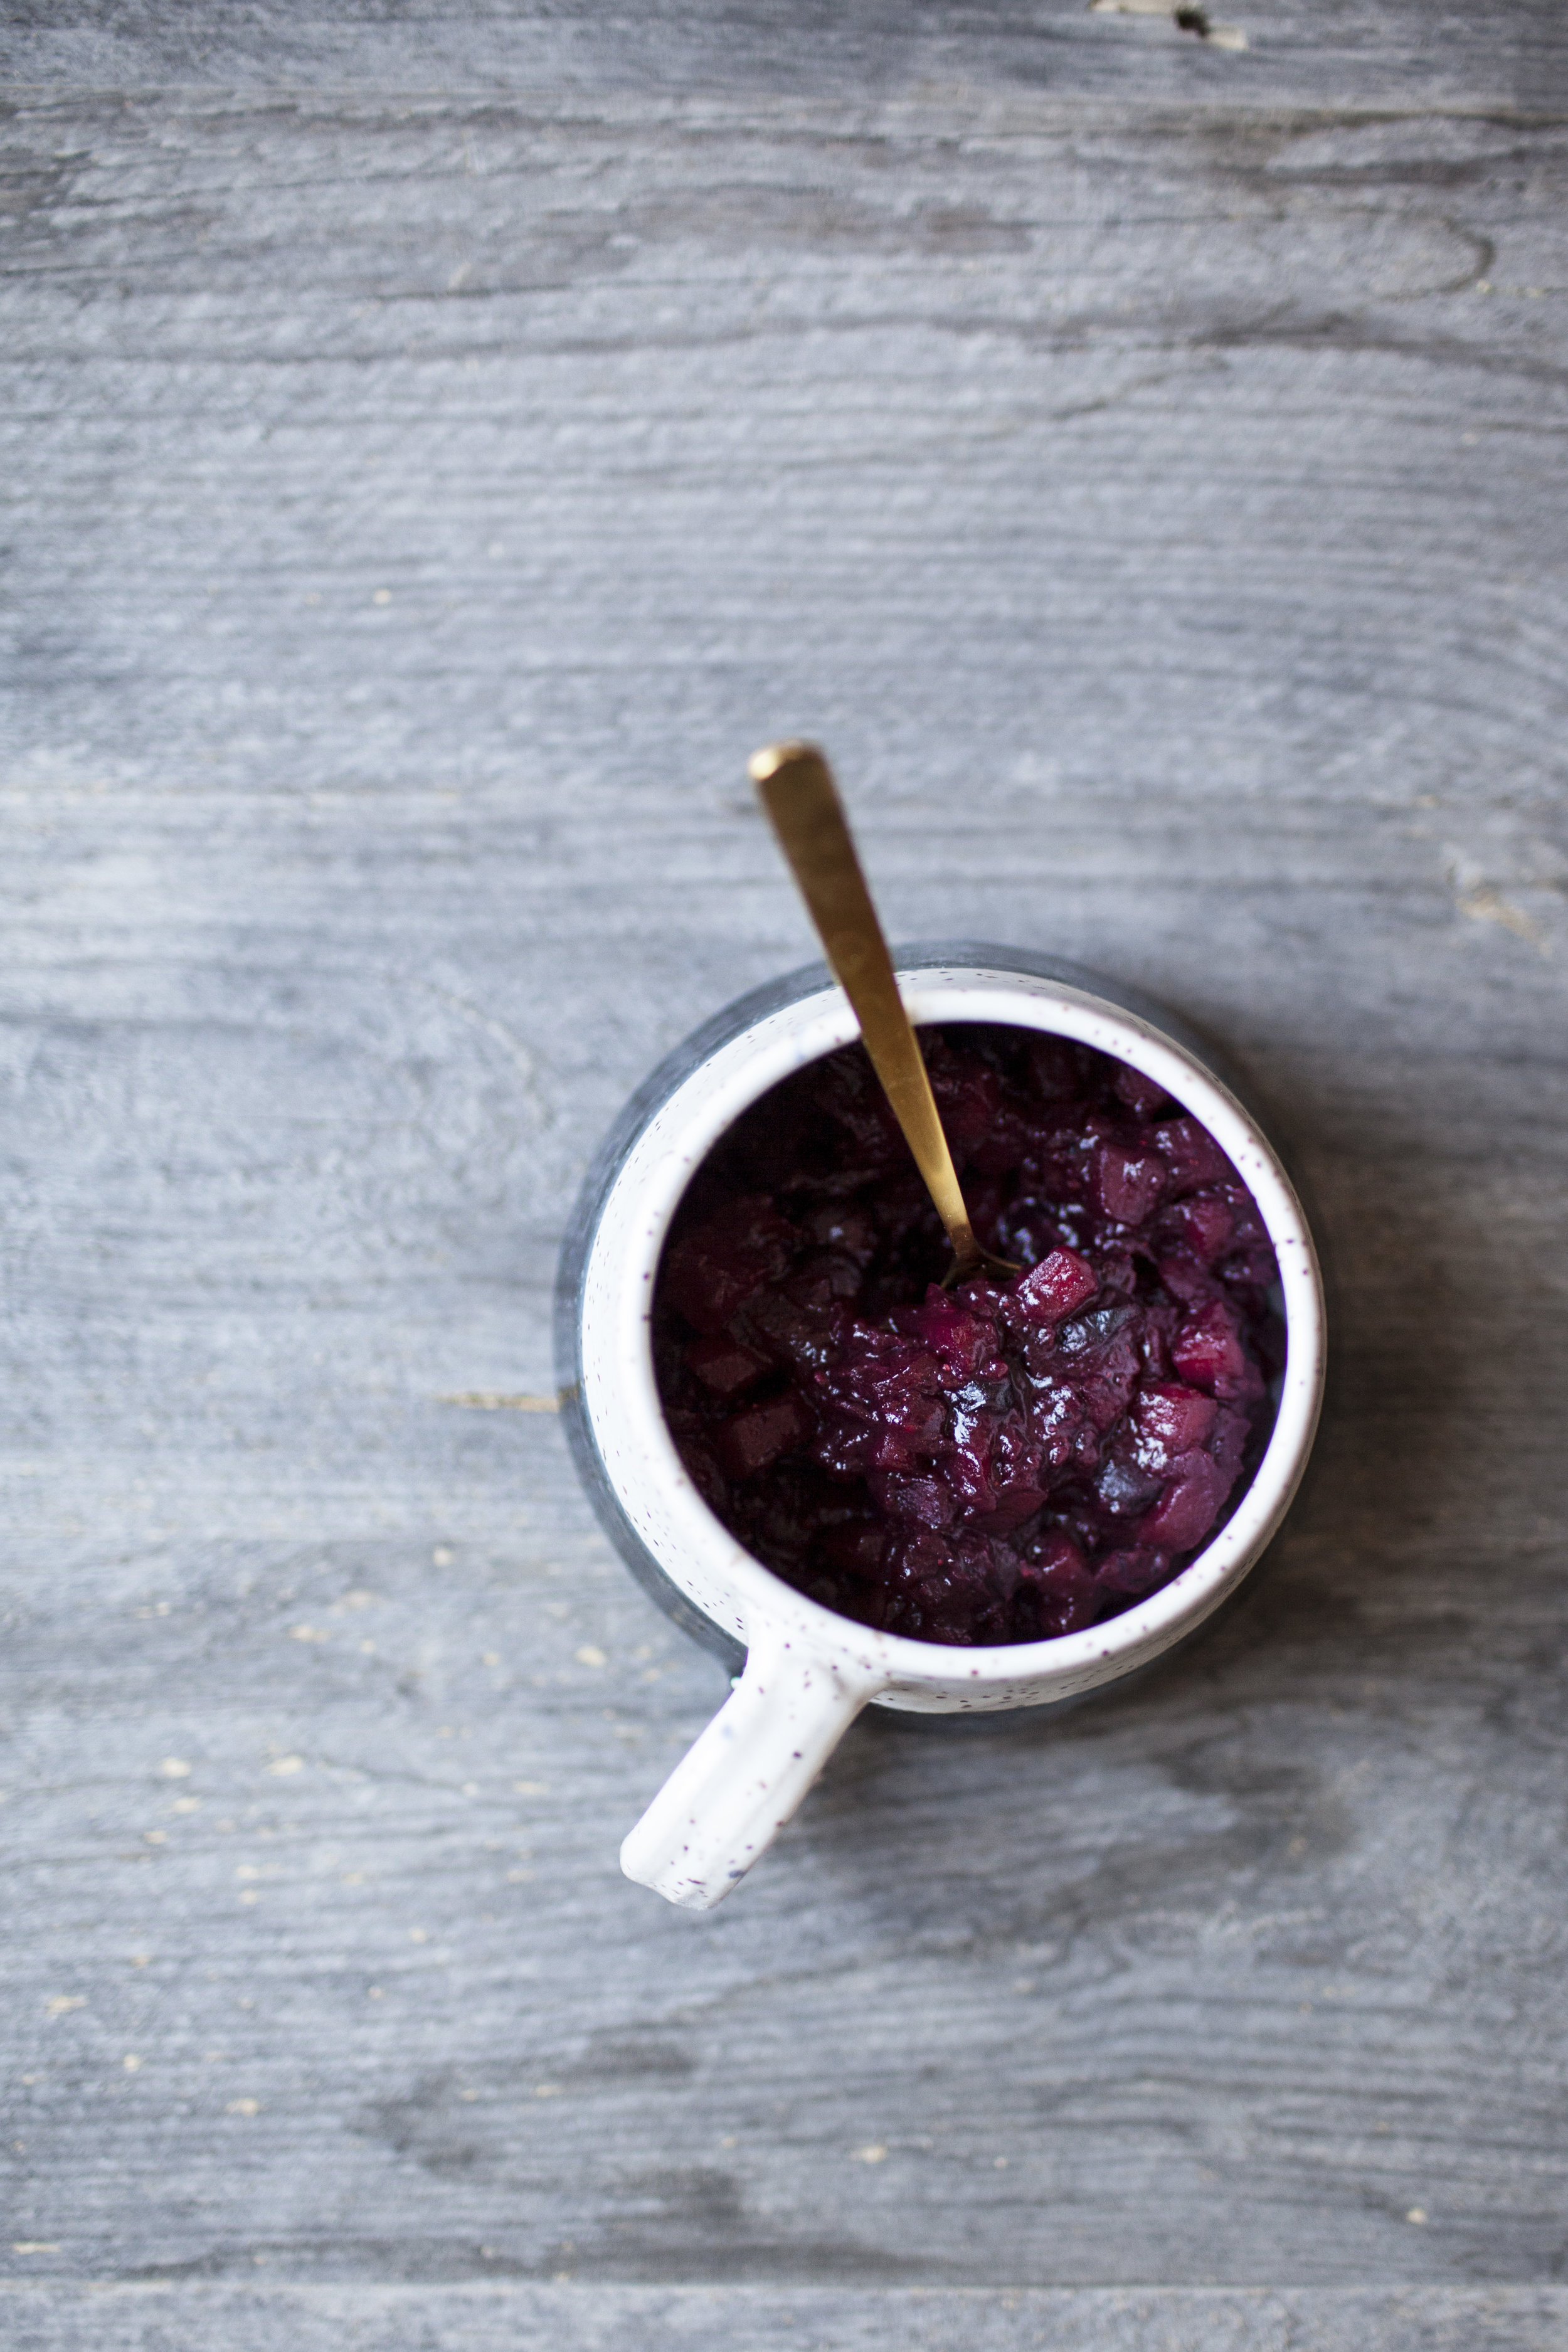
pixel 728 1588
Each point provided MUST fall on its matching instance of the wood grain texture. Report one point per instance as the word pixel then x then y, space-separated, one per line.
pixel 1509 53
pixel 168 2318
pixel 416 508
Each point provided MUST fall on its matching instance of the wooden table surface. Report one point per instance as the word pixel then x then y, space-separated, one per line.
pixel 438 448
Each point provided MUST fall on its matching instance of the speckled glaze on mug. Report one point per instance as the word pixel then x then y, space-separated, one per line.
pixel 808 1672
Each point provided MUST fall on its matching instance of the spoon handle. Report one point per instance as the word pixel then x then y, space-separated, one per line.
pixel 798 791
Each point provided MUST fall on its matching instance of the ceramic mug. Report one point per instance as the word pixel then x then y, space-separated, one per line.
pixel 807 1671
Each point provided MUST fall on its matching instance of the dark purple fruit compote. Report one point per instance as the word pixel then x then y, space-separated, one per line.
pixel 1006 1461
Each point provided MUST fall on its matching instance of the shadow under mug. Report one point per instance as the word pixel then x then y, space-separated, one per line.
pixel 805 1671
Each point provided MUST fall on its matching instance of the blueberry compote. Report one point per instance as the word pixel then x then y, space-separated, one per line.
pixel 1005 1461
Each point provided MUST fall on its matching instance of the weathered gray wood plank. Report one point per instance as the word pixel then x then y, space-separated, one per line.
pixel 811 2319
pixel 416 511
pixel 1406 53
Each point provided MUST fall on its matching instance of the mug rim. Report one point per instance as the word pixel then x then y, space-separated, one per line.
pixel 696 1096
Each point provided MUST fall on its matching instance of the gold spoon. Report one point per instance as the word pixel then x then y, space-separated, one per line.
pixel 798 791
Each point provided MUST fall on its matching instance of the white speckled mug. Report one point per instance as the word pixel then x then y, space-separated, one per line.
pixel 807 1671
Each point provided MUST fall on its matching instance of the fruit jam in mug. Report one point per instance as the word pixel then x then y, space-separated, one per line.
pixel 1004 1461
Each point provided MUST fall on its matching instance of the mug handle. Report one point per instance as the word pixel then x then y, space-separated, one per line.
pixel 732 1792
